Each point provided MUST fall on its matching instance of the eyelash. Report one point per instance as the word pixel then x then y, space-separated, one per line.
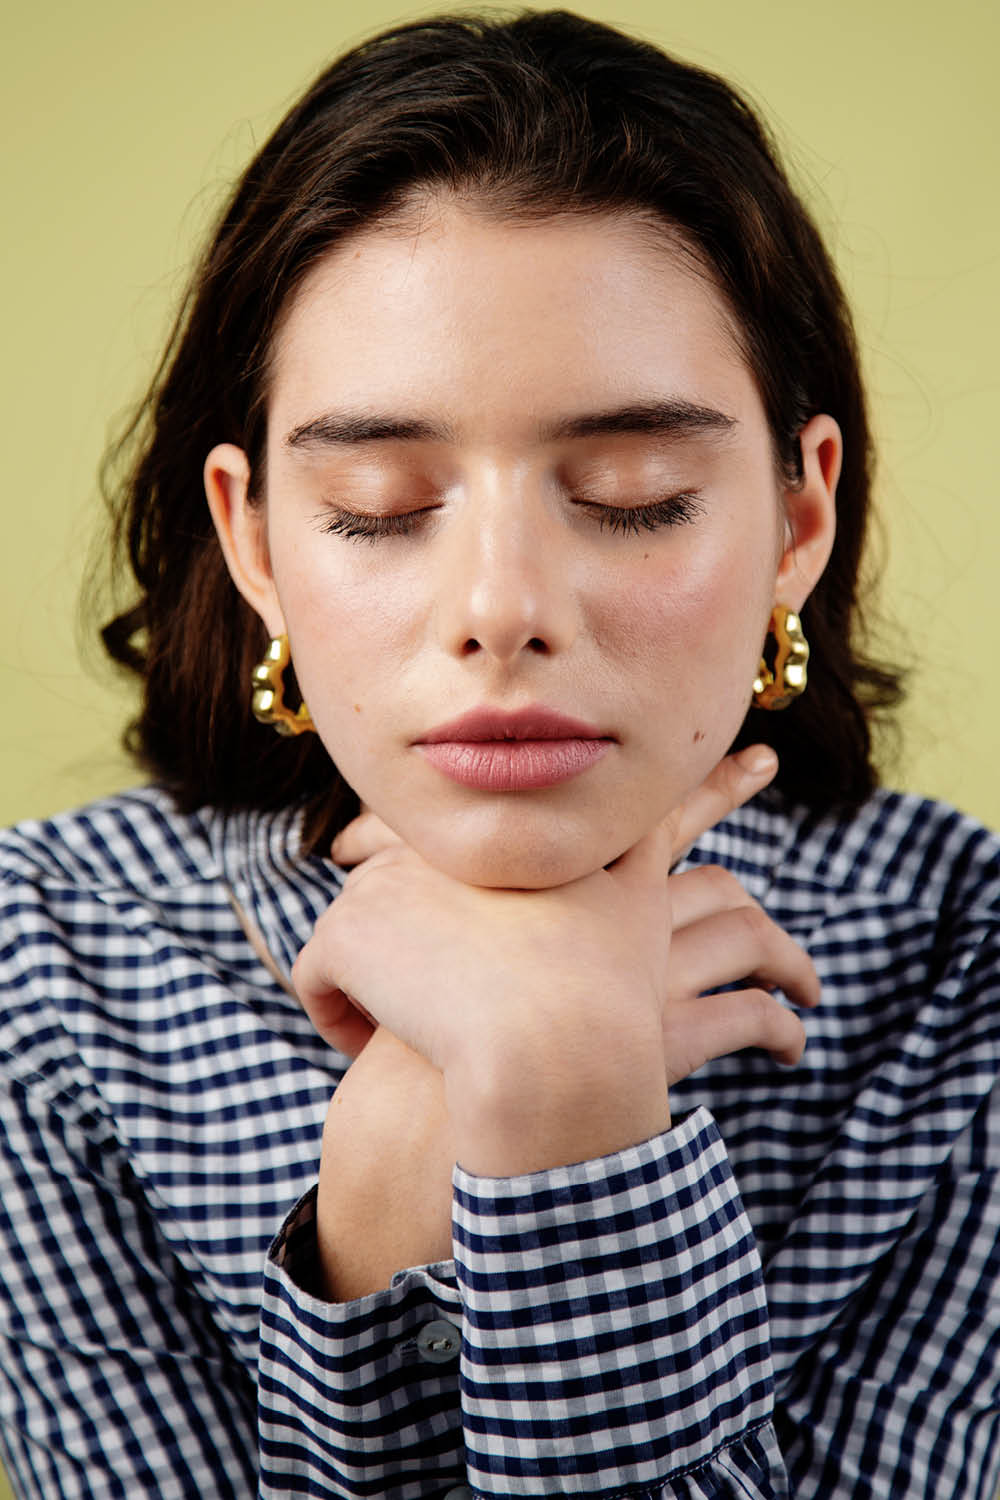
pixel 628 520
pixel 676 510
pixel 358 527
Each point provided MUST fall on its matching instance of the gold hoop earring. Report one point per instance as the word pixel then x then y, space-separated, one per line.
pixel 775 688
pixel 268 702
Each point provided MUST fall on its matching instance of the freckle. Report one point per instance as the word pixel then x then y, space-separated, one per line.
pixel 699 734
pixel 357 708
pixel 645 557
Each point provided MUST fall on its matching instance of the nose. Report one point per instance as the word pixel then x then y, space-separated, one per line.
pixel 506 588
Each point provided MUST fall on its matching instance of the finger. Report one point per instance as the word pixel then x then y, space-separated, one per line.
pixel 340 1021
pixel 706 889
pixel 344 1027
pixel 734 781
pixel 352 1035
pixel 716 1025
pixel 732 946
pixel 364 836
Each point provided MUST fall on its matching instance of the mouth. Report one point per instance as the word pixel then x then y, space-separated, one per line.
pixel 497 751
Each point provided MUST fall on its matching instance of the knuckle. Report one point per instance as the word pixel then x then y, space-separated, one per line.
pixel 756 921
pixel 725 886
pixel 765 1009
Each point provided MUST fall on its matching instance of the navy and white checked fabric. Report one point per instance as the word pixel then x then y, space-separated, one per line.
pixel 794 1292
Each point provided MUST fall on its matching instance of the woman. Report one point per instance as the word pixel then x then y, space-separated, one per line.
pixel 527 411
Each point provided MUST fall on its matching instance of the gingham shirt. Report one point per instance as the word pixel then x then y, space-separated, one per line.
pixel 795 1291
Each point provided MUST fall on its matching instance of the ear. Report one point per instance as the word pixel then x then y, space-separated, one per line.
pixel 242 529
pixel 810 513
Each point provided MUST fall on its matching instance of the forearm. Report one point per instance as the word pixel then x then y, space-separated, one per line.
pixel 395 1129
pixel 613 1338
pixel 384 1200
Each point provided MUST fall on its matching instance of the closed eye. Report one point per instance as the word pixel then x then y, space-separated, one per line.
pixel 627 520
pixel 674 510
pixel 360 526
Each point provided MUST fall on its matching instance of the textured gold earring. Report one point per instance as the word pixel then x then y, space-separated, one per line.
pixel 268 702
pixel 775 687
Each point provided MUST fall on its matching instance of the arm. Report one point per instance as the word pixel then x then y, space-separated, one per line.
pixel 113 1377
pixel 596 1298
pixel 359 1422
pixel 389 1143
pixel 889 1386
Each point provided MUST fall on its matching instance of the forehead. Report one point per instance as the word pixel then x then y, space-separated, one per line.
pixel 451 306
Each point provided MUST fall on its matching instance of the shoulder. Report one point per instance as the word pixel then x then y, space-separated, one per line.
pixel 908 850
pixel 102 910
pixel 136 841
pixel 899 905
pixel 896 849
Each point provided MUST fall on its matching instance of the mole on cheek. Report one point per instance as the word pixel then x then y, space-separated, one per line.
pixel 357 708
pixel 699 734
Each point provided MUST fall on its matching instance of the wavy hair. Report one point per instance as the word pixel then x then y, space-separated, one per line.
pixel 535 114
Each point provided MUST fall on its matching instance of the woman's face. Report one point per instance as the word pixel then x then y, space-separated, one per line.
pixel 520 468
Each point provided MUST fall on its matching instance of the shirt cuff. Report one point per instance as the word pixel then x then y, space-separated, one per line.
pixel 616 1328
pixel 360 1397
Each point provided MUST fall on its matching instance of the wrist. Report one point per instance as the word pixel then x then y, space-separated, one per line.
pixel 521 1109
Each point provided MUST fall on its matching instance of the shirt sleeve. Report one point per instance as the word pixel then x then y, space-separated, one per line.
pixel 114 1378
pixel 359 1397
pixel 617 1341
pixel 613 1332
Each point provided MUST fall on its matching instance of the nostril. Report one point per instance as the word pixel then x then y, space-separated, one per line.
pixel 470 646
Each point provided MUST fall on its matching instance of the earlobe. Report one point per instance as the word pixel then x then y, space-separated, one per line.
pixel 240 524
pixel 810 513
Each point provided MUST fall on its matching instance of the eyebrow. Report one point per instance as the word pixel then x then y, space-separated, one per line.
pixel 669 418
pixel 672 417
pixel 335 428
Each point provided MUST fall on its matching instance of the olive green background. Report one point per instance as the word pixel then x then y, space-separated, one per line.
pixel 124 121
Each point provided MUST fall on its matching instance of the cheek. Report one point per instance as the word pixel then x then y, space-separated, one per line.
pixel 351 641
pixel 697 611
pixel 689 635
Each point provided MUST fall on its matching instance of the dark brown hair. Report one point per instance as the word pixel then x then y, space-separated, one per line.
pixel 539 114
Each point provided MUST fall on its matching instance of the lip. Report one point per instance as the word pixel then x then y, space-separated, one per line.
pixel 501 751
pixel 536 722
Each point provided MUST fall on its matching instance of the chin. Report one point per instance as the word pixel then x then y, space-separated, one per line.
pixel 526 863
pixel 512 874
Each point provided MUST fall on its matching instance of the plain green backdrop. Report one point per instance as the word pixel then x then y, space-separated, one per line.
pixel 124 121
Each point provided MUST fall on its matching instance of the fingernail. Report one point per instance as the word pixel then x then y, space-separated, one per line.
pixel 755 760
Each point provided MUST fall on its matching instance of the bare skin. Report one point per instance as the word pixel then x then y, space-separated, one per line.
pixel 398 1122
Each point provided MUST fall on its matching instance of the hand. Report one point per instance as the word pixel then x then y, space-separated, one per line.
pixel 560 990
pixel 534 986
pixel 721 934
pixel 388 1148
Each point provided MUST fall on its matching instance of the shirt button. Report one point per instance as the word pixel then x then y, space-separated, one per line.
pixel 439 1342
